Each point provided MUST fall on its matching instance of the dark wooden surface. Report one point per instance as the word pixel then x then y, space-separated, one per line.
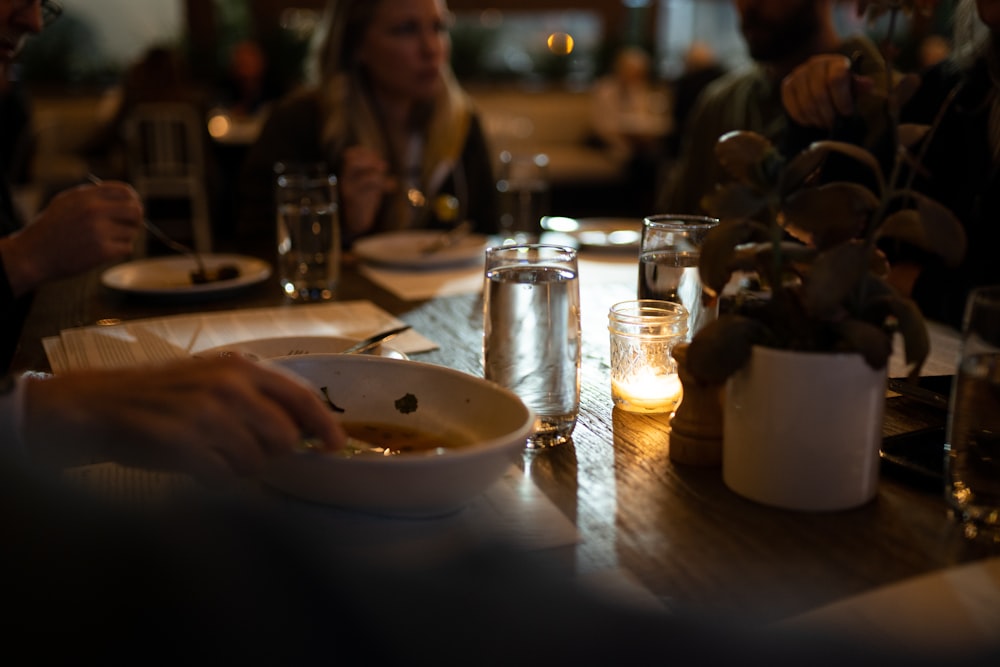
pixel 691 541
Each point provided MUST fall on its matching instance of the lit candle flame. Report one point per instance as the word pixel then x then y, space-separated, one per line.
pixel 647 391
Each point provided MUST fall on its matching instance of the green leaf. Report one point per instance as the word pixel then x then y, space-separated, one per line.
pixel 789 253
pixel 834 276
pixel 830 214
pixel 718 250
pixel 801 169
pixel 871 341
pixel 887 310
pixel 722 347
pixel 873 306
pixel 929 226
pixel 741 154
pixel 734 200
pixel 812 158
pixel 916 341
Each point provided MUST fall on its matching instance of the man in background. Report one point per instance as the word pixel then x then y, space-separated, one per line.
pixel 701 67
pixel 80 229
pixel 779 34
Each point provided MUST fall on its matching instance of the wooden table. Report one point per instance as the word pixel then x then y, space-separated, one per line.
pixel 687 538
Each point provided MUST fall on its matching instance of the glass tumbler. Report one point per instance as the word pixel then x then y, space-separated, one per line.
pixel 972 461
pixel 531 334
pixel 643 370
pixel 668 265
pixel 308 225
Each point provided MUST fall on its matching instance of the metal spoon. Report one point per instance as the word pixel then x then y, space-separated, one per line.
pixel 372 341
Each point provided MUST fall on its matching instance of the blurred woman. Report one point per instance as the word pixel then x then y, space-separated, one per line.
pixel 386 114
pixel 962 162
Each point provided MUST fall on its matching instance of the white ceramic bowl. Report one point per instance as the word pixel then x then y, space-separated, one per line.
pixel 367 388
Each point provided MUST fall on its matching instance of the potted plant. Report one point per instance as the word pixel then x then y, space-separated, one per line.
pixel 809 351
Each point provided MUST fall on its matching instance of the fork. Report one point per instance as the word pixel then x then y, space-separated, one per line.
pixel 162 236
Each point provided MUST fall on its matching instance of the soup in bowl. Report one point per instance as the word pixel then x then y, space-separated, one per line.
pixel 451 435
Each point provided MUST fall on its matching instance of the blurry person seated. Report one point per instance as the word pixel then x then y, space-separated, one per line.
pixel 203 417
pixel 160 75
pixel 700 69
pixel 16 140
pixel 78 230
pixel 779 36
pixel 960 165
pixel 630 119
pixel 629 116
pixel 385 113
pixel 247 86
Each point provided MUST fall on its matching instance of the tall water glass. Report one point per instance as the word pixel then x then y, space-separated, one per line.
pixel 308 231
pixel 531 334
pixel 668 265
pixel 972 483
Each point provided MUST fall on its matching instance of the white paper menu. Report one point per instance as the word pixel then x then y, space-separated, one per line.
pixel 136 342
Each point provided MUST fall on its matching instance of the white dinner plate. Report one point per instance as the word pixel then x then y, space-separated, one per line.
pixel 619 234
pixel 171 275
pixel 404 249
pixel 288 346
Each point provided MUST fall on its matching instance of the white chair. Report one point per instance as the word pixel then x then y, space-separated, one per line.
pixel 166 161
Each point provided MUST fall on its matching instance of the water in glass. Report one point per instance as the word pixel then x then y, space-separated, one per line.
pixel 973 484
pixel 531 343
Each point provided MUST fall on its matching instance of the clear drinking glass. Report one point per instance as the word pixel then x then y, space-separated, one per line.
pixel 308 225
pixel 972 482
pixel 668 265
pixel 531 333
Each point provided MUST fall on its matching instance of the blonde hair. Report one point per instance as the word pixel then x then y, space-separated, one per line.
pixel 972 38
pixel 350 115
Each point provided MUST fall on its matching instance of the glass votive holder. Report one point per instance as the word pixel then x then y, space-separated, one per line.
pixel 643 371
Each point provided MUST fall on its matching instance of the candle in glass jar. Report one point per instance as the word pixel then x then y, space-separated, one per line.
pixel 648 392
pixel 643 371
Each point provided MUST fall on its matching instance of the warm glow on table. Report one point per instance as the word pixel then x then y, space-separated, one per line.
pixel 647 392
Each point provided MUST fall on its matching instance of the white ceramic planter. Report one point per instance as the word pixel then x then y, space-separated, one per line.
pixel 802 430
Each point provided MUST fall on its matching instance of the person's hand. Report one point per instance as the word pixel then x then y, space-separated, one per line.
pixel 210 418
pixel 81 228
pixel 364 179
pixel 821 89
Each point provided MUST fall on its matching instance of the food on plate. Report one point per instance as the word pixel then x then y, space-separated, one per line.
pixel 222 272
